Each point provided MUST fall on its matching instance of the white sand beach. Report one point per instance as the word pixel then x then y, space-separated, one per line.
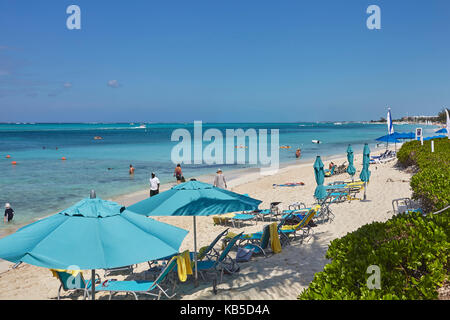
pixel 279 276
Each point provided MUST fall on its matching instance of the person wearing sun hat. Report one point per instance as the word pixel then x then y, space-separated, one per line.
pixel 9 213
pixel 219 180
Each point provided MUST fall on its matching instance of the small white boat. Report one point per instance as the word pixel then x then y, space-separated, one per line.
pixel 316 141
pixel 142 126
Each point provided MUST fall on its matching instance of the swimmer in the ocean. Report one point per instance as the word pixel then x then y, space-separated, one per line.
pixel 298 153
pixel 131 171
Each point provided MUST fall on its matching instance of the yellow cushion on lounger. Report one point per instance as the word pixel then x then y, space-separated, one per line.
pixel 72 272
pixel 290 227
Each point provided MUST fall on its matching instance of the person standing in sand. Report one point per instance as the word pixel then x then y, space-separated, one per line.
pixel 178 174
pixel 154 185
pixel 9 213
pixel 219 180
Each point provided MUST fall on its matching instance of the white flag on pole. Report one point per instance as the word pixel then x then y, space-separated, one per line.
pixel 389 122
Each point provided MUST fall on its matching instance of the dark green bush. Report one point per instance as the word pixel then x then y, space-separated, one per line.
pixel 431 185
pixel 411 250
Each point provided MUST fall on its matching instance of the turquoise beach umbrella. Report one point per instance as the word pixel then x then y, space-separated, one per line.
pixel 365 173
pixel 194 198
pixel 92 234
pixel 320 192
pixel 351 170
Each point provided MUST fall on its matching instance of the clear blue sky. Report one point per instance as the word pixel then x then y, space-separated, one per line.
pixel 222 60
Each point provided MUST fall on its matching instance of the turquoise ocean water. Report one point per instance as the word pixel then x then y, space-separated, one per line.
pixel 41 183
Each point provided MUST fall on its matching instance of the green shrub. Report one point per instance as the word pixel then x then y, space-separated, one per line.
pixel 411 250
pixel 431 185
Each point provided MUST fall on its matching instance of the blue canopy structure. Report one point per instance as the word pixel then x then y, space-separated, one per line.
pixel 443 130
pixel 92 234
pixel 388 138
pixel 434 137
pixel 403 135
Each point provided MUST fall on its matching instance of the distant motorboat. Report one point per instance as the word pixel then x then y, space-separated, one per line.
pixel 338 123
pixel 316 141
pixel 142 126
pixel 98 138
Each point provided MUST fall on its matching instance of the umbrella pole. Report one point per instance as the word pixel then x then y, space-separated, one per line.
pixel 93 284
pixel 195 251
pixel 365 187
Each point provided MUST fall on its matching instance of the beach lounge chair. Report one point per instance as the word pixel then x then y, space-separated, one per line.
pixel 208 252
pixel 386 156
pixel 341 169
pixel 120 270
pixel 302 226
pixel 239 218
pixel 223 218
pixel 223 263
pixel 258 243
pixel 151 288
pixel 295 208
pixel 402 205
pixel 73 281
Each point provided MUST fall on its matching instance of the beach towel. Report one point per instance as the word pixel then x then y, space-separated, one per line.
pixel 289 184
pixel 72 272
pixel 201 252
pixel 274 239
pixel 184 265
pixel 290 227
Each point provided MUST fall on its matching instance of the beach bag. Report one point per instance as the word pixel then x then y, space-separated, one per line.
pixel 292 221
pixel 183 179
pixel 244 255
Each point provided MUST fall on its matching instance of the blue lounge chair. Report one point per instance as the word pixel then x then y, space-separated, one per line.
pixel 271 213
pixel 241 217
pixel 120 270
pixel 210 252
pixel 152 288
pixel 74 283
pixel 302 226
pixel 257 243
pixel 223 263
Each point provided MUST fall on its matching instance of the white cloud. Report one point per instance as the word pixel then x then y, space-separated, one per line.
pixel 113 84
